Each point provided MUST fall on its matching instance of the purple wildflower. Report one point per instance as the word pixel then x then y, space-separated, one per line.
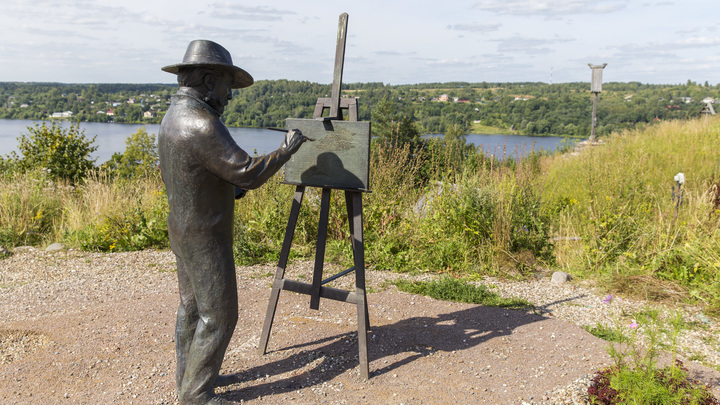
pixel 634 325
pixel 608 299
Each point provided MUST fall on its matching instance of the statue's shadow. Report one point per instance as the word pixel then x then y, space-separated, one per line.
pixel 411 339
pixel 329 171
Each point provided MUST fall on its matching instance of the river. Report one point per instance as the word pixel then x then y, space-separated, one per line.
pixel 110 138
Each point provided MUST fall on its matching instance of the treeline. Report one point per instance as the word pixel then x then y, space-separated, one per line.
pixel 562 109
pixel 122 103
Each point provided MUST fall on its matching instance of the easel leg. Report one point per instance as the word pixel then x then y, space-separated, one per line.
pixel 353 202
pixel 280 271
pixel 320 248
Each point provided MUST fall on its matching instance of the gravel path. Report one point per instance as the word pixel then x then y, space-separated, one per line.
pixel 87 328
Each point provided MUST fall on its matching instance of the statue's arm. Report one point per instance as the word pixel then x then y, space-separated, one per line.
pixel 224 158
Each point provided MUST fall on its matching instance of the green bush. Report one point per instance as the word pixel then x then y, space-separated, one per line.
pixel 109 215
pixel 129 229
pixel 139 159
pixel 63 153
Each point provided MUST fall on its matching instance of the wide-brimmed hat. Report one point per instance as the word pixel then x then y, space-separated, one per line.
pixel 206 53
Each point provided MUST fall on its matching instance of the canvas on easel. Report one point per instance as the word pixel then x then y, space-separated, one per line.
pixel 339 157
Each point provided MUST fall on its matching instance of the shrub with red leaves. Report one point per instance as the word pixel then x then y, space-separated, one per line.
pixel 600 390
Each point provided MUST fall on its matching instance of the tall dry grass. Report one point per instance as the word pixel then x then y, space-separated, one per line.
pixel 635 221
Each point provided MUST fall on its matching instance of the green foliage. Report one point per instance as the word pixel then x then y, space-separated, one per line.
pixel 606 333
pixel 642 381
pixel 7 166
pixel 30 207
pixel 63 153
pixel 529 108
pixel 261 218
pixel 384 115
pixel 452 289
pixel 137 221
pixel 86 102
pixel 125 231
pixel 140 158
pixel 618 198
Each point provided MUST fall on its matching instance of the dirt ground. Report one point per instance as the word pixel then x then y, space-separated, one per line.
pixel 103 333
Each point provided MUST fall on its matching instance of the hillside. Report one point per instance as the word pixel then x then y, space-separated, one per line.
pixel 561 109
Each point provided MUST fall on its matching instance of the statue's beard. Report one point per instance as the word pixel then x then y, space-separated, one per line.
pixel 215 103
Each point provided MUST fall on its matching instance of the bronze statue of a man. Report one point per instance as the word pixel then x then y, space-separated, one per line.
pixel 202 167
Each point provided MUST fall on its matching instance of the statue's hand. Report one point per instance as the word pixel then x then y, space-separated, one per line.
pixel 293 139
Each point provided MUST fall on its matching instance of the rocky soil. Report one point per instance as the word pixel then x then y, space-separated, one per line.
pixel 89 328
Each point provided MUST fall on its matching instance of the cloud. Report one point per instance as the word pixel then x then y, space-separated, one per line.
pixel 659 4
pixel 666 52
pixel 475 27
pixel 233 11
pixel 529 46
pixel 388 53
pixel 550 8
pixel 54 33
pixel 698 42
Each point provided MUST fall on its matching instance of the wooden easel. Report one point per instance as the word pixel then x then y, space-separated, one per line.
pixel 353 203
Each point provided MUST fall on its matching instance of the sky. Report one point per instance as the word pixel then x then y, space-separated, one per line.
pixel 389 41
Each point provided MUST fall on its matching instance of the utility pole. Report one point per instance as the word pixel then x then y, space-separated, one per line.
pixel 595 88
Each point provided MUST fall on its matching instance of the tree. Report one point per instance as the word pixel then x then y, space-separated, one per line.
pixel 140 157
pixel 64 153
pixel 408 133
pixel 383 119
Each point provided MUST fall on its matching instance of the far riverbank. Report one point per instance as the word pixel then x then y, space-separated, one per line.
pixel 110 139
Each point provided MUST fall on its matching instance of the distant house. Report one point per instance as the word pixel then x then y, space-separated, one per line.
pixel 110 112
pixel 686 100
pixel 24 106
pixel 148 114
pixel 443 98
pixel 64 114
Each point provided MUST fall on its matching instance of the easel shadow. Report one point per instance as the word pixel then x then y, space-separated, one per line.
pixel 413 338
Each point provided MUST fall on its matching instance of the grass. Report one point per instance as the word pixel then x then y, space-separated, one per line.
pixel 101 214
pixel 457 290
pixel 606 333
pixel 635 238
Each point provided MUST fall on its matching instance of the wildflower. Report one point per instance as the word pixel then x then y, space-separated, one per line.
pixel 608 299
pixel 634 325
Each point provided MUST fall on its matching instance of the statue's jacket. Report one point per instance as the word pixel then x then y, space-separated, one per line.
pixel 200 165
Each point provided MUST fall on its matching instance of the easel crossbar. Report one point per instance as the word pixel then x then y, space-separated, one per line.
pixel 335 294
pixel 337 276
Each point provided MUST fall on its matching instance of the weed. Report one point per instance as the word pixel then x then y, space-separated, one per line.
pixel 451 289
pixel 641 381
pixel 606 333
